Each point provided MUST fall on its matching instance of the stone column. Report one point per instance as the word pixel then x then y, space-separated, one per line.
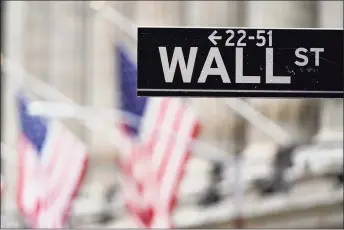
pixel 212 13
pixel 99 73
pixel 14 32
pixel 330 15
pixel 158 13
pixel 66 54
pixel 220 125
pixel 297 116
pixel 37 39
pixel 129 10
pixel 101 82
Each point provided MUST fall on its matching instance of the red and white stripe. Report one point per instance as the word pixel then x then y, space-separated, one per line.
pixel 2 185
pixel 47 185
pixel 133 180
pixel 168 129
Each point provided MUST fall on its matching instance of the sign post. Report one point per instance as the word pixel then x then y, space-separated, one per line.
pixel 240 62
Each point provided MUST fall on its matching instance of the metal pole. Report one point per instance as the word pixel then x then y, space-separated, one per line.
pixel 62 110
pixel 42 89
pixel 260 121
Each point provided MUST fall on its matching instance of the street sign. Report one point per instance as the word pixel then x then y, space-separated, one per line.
pixel 240 62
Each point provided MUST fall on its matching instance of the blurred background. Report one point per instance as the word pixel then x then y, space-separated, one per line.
pixel 71 46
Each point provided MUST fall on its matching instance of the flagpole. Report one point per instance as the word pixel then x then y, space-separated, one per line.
pixel 126 25
pixel 63 110
pixel 42 89
pixel 259 120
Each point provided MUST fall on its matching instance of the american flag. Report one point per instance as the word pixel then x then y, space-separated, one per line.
pixel 52 165
pixel 2 188
pixel 2 185
pixel 157 159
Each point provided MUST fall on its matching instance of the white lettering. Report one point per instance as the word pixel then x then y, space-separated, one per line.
pixel 214 54
pixel 317 54
pixel 270 78
pixel 301 56
pixel 239 69
pixel 178 57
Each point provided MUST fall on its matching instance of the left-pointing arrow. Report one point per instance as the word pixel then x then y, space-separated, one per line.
pixel 213 38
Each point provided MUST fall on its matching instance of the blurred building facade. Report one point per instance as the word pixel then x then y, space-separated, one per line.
pixel 67 45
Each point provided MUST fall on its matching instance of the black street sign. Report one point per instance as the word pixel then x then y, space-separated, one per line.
pixel 240 62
